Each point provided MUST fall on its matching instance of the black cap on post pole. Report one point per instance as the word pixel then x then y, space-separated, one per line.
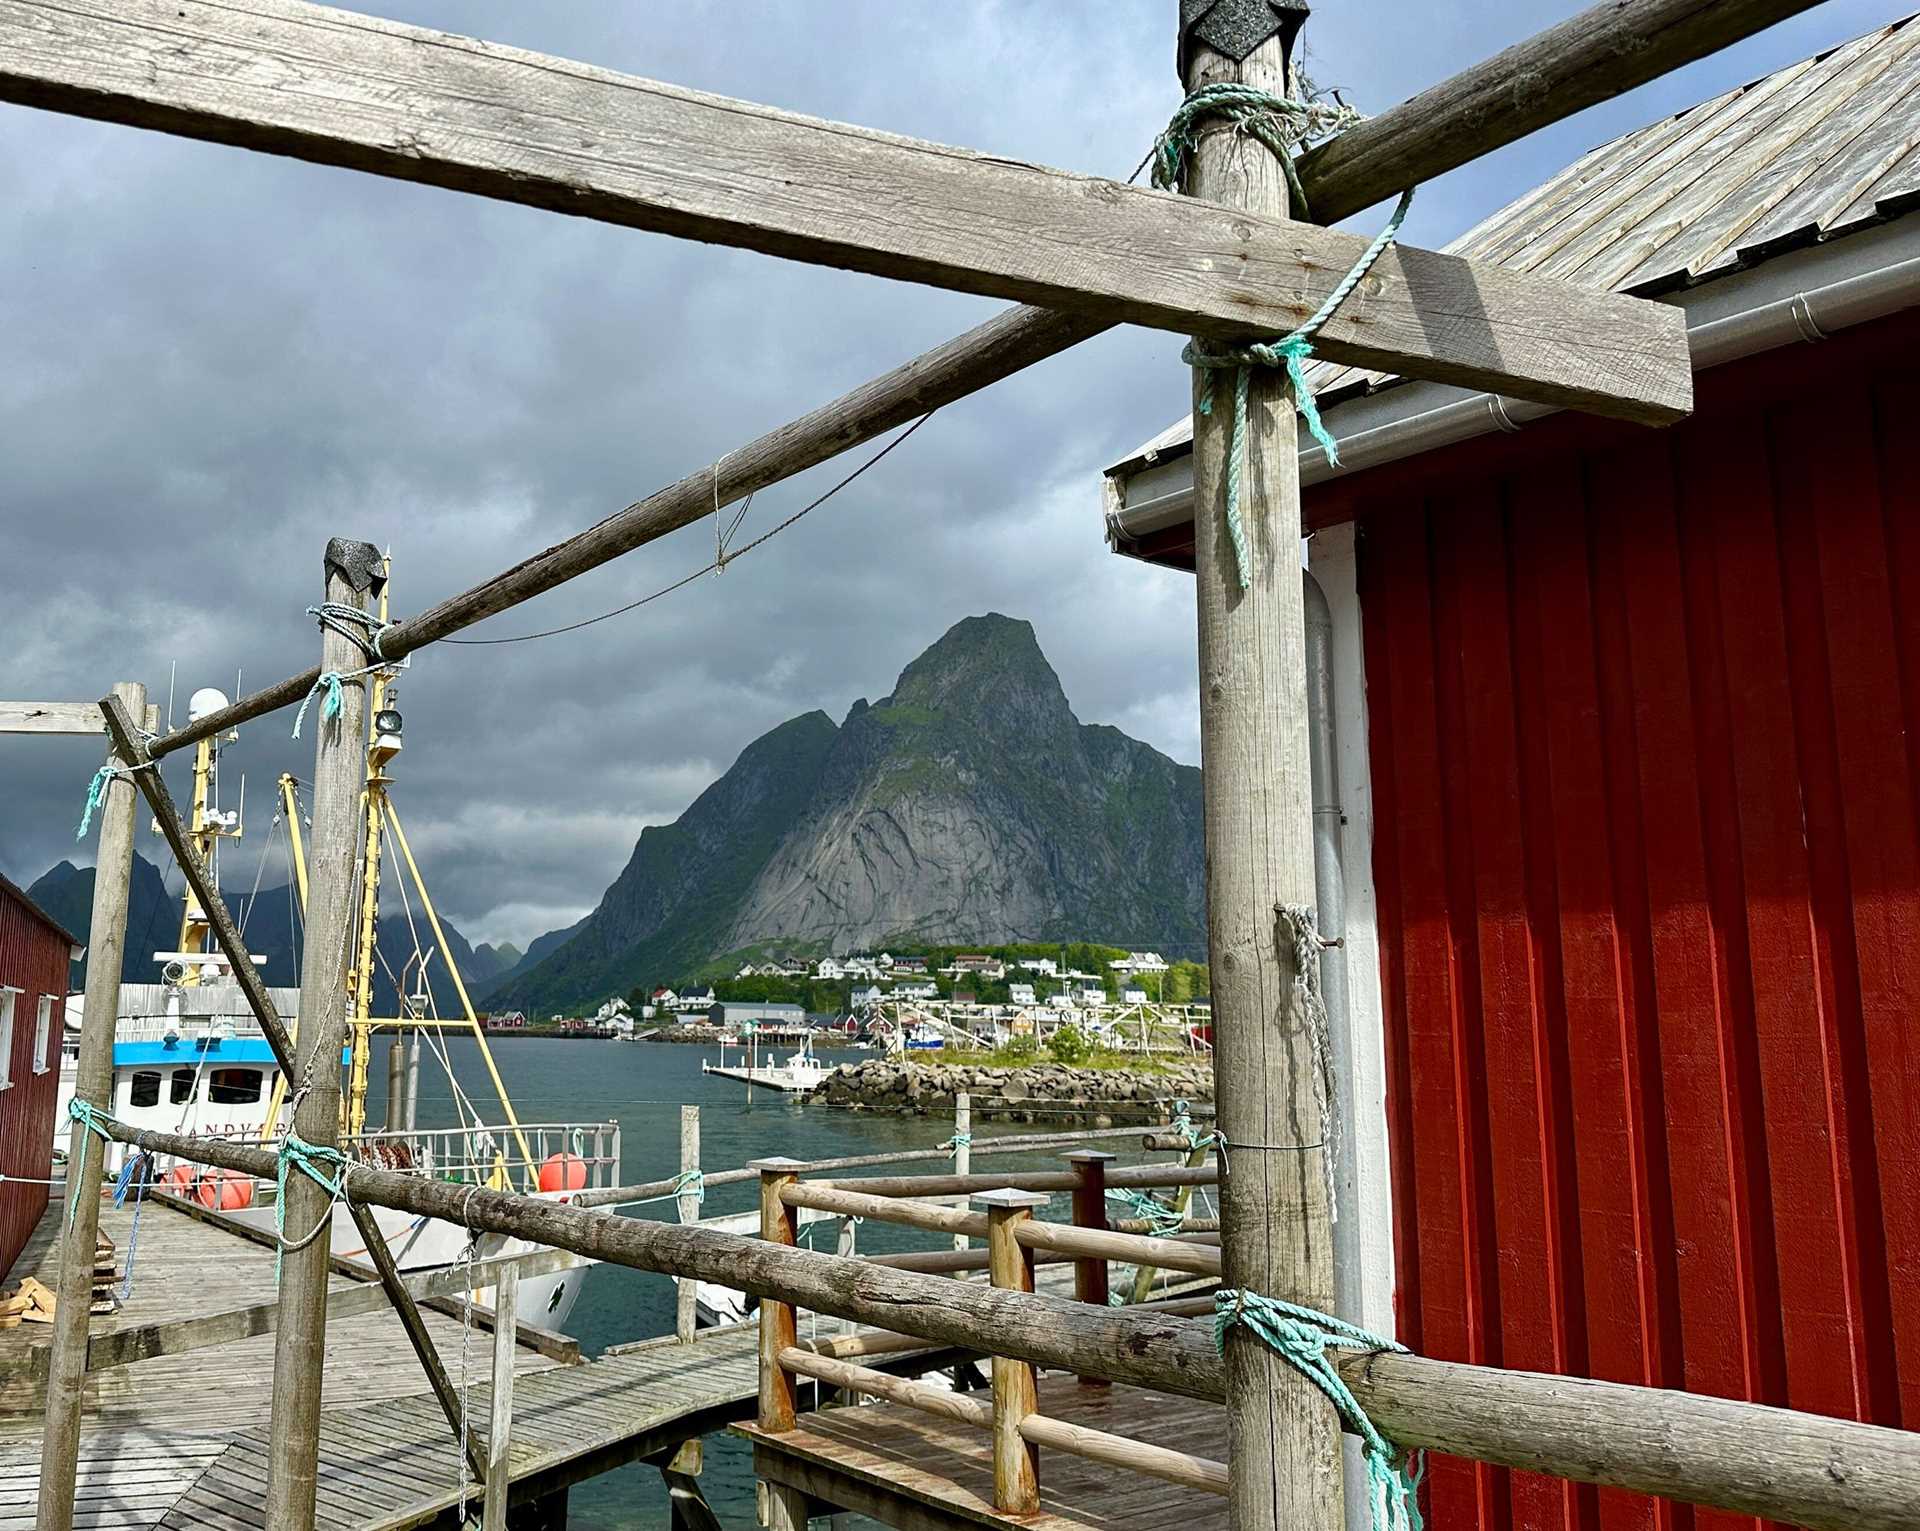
pixel 1234 28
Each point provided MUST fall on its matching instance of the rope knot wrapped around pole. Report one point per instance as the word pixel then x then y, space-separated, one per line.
pixel 1301 1337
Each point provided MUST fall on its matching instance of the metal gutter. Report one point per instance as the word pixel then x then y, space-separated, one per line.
pixel 1804 296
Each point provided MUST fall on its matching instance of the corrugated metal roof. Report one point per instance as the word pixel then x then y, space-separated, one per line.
pixel 1822 148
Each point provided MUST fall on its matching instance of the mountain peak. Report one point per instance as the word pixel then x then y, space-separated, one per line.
pixel 978 658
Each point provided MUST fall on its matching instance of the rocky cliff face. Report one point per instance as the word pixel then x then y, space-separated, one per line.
pixel 970 805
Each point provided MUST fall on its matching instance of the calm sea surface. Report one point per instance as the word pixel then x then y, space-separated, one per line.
pixel 641 1086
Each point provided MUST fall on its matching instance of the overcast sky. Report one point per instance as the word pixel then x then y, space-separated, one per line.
pixel 215 360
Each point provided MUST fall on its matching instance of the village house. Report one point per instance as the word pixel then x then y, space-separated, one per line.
pixel 924 988
pixel 1021 993
pixel 1139 962
pixel 865 998
pixel 507 1020
pixel 909 965
pixel 1624 746
pixel 694 1002
pixel 1133 994
pixel 759 1014
pixel 1046 967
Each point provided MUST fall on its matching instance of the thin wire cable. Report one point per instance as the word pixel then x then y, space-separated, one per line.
pixel 681 584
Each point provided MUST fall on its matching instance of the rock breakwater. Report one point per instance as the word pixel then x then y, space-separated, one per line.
pixel 1040 1092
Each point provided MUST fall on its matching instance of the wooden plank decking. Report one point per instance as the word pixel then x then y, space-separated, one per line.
pixel 920 1473
pixel 182 1269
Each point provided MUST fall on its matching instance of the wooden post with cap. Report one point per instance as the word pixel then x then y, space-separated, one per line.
pixel 782 1508
pixel 1090 1211
pixel 1016 1460
pixel 300 1341
pixel 1276 1223
pixel 86 1154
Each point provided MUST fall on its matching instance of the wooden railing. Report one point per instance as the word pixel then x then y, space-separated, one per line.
pixel 1753 1459
pixel 1016 1242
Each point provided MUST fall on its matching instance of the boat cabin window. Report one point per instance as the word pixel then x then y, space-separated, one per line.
pixel 233 1087
pixel 181 1090
pixel 145 1090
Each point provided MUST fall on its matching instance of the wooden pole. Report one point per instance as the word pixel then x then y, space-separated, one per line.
pixel 506 1298
pixel 86 1157
pixel 1016 1460
pixel 339 771
pixel 154 788
pixel 962 1147
pixel 397 1082
pixel 1276 1227
pixel 686 1316
pixel 782 1508
pixel 777 1332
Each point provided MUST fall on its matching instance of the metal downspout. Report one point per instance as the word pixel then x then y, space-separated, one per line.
pixel 1330 893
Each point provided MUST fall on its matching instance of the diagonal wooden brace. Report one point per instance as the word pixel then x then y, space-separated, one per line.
pixel 133 748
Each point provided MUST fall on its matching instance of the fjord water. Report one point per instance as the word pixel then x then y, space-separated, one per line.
pixel 642 1086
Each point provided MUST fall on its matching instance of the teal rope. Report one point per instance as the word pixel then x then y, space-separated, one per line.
pixel 687 1183
pixel 1290 352
pixel 1301 1338
pixel 97 792
pixel 95 1121
pixel 1183 1125
pixel 958 1141
pixel 1279 122
pixel 296 1152
pixel 330 708
pixel 1160 1218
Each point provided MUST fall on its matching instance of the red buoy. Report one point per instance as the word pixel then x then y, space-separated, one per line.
pixel 563 1172
pixel 223 1190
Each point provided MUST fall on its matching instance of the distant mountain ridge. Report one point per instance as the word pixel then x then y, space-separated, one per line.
pixel 153 924
pixel 968 806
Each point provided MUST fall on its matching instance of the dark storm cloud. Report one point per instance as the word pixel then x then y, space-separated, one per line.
pixel 215 360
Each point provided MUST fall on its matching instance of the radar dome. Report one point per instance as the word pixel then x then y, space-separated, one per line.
pixel 204 703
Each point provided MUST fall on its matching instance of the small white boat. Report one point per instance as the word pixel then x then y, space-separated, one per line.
pixel 800 1074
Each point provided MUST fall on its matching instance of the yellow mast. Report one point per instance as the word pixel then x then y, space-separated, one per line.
pixel 380 750
pixel 290 806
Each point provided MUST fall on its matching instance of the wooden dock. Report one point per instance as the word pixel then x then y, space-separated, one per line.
pixel 184 1268
pixel 181 1441
pixel 910 1469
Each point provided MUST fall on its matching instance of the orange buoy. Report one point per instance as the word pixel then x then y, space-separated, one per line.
pixel 563 1172
pixel 181 1175
pixel 223 1190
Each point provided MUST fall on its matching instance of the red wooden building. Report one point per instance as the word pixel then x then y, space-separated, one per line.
pixel 1627 734
pixel 34 952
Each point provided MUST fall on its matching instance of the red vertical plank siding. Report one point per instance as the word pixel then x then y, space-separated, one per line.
pixel 1520 1127
pixel 1641 715
pixel 1441 1261
pixel 1885 912
pixel 33 959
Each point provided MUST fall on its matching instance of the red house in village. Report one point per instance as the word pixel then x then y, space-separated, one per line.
pixel 1626 731
pixel 33 991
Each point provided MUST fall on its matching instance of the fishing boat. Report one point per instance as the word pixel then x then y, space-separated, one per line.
pixel 190 1056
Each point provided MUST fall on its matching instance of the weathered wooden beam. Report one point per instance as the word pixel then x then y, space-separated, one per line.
pixel 306 1210
pixel 1605 50
pixel 93 1086
pixel 340 88
pixel 1017 339
pixel 226 933
pixel 500 1415
pixel 1275 1212
pixel 61 718
pixel 1805 1469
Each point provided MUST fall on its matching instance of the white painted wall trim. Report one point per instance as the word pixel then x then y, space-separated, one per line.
pixel 1363 1236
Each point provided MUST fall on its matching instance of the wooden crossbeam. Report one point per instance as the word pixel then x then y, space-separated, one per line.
pixel 61 718
pixel 343 89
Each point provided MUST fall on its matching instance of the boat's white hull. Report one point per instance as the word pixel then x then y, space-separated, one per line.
pixel 430 1243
